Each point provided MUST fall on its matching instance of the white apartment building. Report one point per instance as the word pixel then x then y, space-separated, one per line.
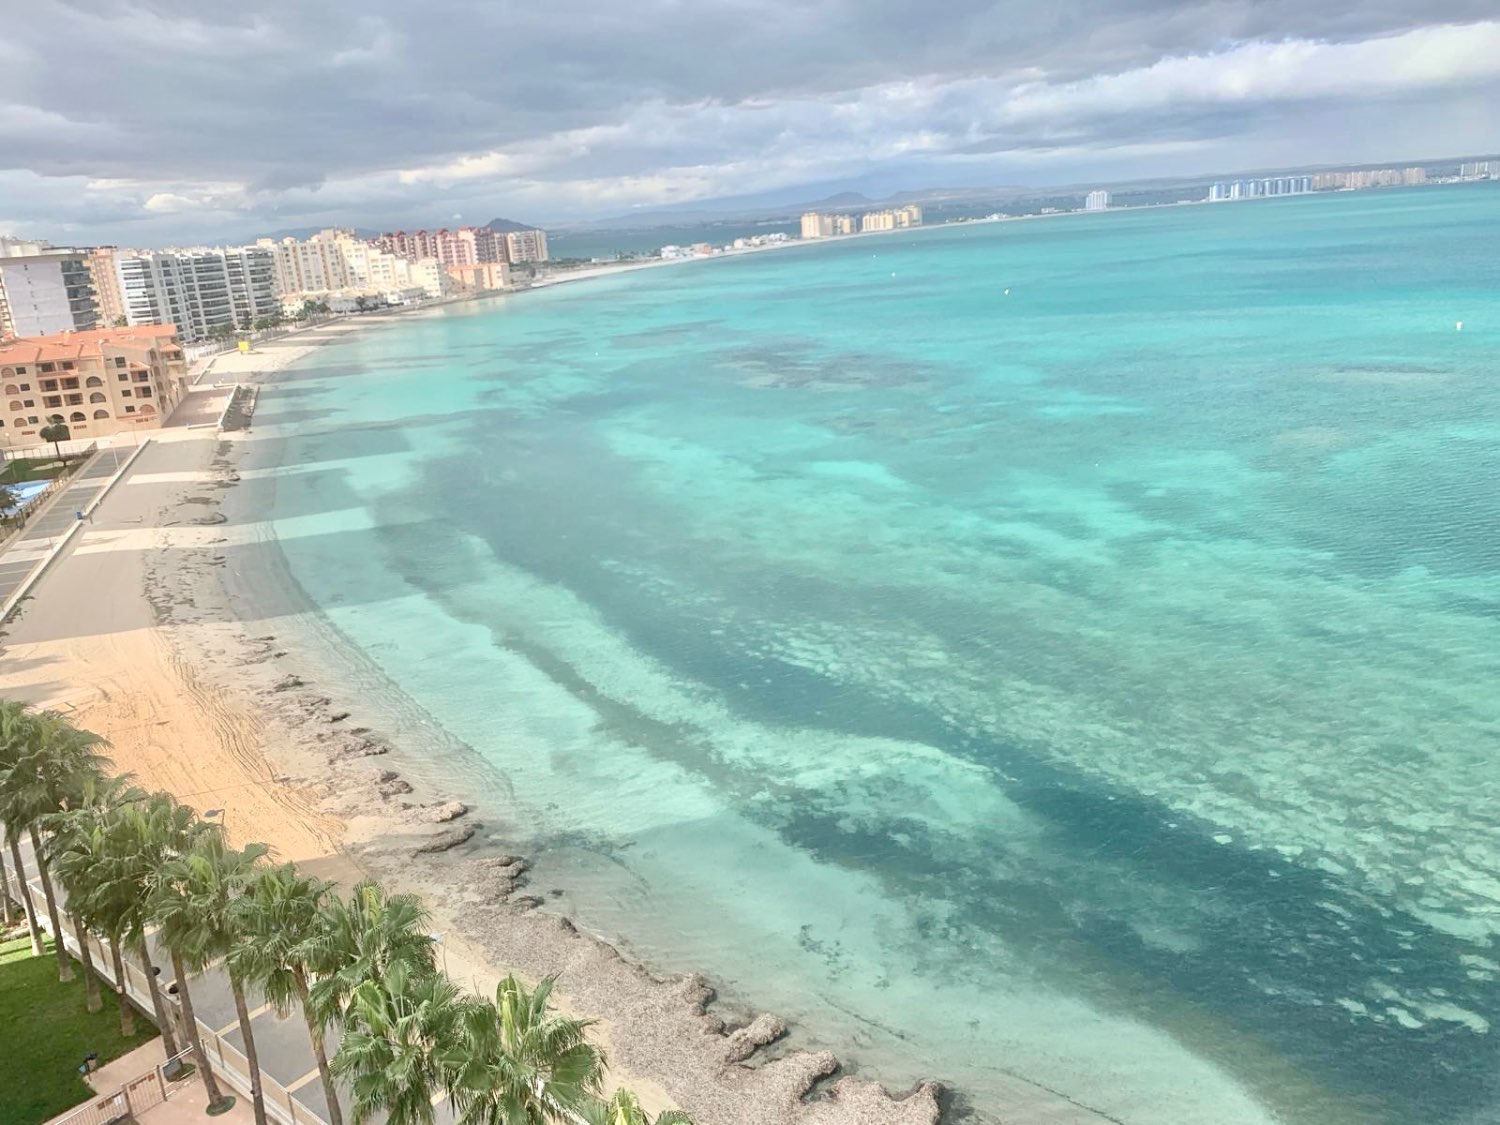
pixel 198 290
pixel 44 289
pixel 1096 201
pixel 815 225
pixel 314 265
pixel 370 267
pixel 526 246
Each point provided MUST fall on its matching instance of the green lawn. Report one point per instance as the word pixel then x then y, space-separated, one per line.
pixel 22 469
pixel 44 1034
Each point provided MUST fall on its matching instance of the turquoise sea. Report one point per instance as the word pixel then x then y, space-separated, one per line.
pixel 1063 648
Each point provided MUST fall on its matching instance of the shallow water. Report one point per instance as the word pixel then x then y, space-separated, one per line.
pixel 1094 683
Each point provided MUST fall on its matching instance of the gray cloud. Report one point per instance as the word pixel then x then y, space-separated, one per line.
pixel 159 119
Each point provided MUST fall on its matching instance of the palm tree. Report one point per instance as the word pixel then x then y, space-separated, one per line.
pixel 15 733
pixel 7 908
pixel 362 939
pixel 517 1062
pixel 126 862
pixel 78 852
pixel 279 917
pixel 195 905
pixel 396 1026
pixel 625 1109
pixel 54 764
pixel 154 832
pixel 56 431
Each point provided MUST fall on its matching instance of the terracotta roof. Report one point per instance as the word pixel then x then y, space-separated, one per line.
pixel 76 345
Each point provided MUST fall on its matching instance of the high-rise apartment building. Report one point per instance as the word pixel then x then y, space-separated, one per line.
pixel 465 246
pixel 1369 178
pixel 818 225
pixel 106 281
pixel 815 225
pixel 313 265
pixel 1256 189
pixel 44 289
pixel 199 290
pixel 1096 201
pixel 526 246
pixel 96 382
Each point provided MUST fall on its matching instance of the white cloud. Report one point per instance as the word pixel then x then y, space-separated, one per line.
pixel 640 146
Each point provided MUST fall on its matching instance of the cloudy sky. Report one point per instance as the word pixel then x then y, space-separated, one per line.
pixel 144 122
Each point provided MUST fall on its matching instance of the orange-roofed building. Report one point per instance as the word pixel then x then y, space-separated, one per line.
pixel 97 383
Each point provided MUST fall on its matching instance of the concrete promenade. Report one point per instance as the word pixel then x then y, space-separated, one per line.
pixel 39 536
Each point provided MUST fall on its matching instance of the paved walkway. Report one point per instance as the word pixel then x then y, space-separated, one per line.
pixel 285 1052
pixel 38 537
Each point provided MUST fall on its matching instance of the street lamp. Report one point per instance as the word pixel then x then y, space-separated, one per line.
pixel 221 816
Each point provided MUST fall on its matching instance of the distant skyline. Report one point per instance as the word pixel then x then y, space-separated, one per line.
pixel 188 124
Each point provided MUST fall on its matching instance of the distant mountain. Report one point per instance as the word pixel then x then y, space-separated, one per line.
pixel 507 226
pixel 843 199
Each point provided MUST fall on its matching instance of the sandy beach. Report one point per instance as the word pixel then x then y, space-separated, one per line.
pixel 148 631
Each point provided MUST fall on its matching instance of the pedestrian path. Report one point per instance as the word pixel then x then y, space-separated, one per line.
pixel 293 1091
pixel 37 539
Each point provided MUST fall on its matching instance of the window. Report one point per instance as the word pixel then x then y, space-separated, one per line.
pixel 49 384
pixel 76 400
pixel 20 370
pixel 16 405
pixel 47 367
pixel 101 414
pixel 97 396
pixel 30 402
pixel 124 377
pixel 141 376
pixel 119 361
pixel 130 410
pixel 67 365
pixel 12 389
pixel 148 409
pixel 25 386
pixel 32 420
pixel 52 400
pixel 93 381
pixel 143 392
pixel 125 393
pixel 78 416
pixel 70 384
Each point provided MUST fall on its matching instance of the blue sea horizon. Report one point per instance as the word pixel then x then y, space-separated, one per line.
pixel 1061 649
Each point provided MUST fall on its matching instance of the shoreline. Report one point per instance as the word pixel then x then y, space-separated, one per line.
pixel 328 773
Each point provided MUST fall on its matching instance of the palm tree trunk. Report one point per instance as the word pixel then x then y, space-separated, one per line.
pixel 64 966
pixel 320 1053
pixel 252 1060
pixel 37 948
pixel 5 903
pixel 92 1000
pixel 158 1006
pixel 195 1041
pixel 127 1013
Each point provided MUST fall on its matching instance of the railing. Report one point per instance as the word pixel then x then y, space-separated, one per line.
pixel 132 1099
pixel 225 1059
pixel 12 525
